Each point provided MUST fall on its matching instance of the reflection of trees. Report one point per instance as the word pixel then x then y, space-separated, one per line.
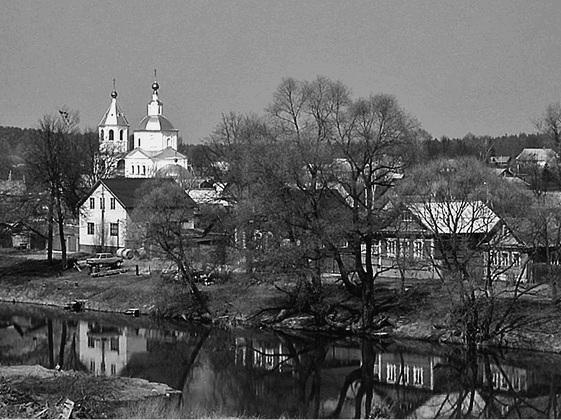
pixel 485 384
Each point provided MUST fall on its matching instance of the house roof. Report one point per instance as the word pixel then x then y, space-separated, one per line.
pixel 537 155
pixel 500 159
pixel 455 217
pixel 207 196
pixel 126 190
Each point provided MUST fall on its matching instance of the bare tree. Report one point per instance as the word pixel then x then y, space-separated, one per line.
pixel 459 202
pixel 550 124
pixel 163 217
pixel 51 161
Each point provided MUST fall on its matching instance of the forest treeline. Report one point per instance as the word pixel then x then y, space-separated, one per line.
pixel 17 140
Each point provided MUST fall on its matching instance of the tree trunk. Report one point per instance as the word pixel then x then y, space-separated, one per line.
pixel 367 301
pixel 60 217
pixel 50 230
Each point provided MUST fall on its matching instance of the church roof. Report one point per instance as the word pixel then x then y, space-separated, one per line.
pixel 155 123
pixel 173 171
pixel 114 115
pixel 169 152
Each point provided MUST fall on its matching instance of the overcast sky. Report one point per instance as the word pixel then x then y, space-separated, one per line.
pixel 458 66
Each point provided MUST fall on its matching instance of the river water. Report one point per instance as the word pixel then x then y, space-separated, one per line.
pixel 253 373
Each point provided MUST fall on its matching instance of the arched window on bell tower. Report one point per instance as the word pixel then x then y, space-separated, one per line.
pixel 102 135
pixel 121 135
pixel 111 134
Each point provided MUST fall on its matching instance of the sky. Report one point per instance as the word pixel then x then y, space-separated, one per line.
pixel 459 67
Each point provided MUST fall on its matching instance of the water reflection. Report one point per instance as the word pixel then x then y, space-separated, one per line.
pixel 265 374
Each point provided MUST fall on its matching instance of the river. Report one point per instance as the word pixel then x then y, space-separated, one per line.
pixel 254 373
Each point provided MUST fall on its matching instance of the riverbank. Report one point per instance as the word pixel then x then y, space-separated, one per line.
pixel 249 302
pixel 37 392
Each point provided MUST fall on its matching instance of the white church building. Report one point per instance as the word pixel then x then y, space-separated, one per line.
pixel 153 150
pixel 105 213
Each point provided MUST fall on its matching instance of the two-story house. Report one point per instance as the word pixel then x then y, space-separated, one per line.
pixel 106 214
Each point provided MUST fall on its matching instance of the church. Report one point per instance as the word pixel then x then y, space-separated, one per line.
pixel 105 215
pixel 151 150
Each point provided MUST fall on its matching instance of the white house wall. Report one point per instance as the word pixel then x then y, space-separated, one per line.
pixel 97 216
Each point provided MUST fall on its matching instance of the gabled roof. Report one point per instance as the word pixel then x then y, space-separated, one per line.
pixel 537 155
pixel 126 190
pixel 148 153
pixel 169 152
pixel 455 217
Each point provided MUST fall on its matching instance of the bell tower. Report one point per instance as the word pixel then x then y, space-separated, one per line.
pixel 113 128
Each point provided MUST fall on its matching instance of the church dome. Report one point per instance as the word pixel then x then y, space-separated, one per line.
pixel 173 171
pixel 155 123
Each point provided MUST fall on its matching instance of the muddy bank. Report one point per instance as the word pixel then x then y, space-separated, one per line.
pixel 37 392
pixel 239 302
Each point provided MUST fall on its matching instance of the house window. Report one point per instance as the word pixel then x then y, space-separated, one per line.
pixel 407 218
pixel 113 369
pixel 121 135
pixel 92 203
pixel 112 203
pixel 91 342
pixel 515 259
pixel 90 228
pixel 418 249
pixel 404 375
pixel 115 344
pixel 391 247
pixel 391 373
pixel 494 258
pixel 102 203
pixel 92 366
pixel 404 248
pixel 114 229
pixel 111 134
pixel 417 376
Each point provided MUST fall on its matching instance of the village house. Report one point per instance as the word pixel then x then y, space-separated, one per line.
pixel 106 214
pixel 535 157
pixel 419 237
